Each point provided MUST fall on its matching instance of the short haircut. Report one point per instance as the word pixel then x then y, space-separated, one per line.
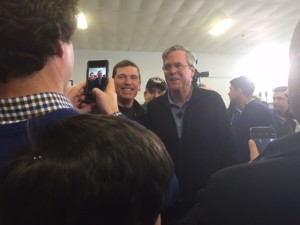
pixel 125 63
pixel 280 89
pixel 245 84
pixel 30 31
pixel 88 169
pixel 189 55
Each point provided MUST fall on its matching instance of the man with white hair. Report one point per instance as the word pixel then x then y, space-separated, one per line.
pixel 265 191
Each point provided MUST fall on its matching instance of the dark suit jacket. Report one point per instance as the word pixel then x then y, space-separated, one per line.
pixel 254 114
pixel 266 191
pixel 207 144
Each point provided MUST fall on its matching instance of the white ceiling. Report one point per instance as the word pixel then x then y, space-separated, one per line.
pixel 154 25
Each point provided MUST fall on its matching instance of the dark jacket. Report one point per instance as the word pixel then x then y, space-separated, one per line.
pixel 254 114
pixel 135 113
pixel 264 192
pixel 286 127
pixel 207 144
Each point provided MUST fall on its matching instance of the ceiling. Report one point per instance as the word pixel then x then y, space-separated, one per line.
pixel 154 25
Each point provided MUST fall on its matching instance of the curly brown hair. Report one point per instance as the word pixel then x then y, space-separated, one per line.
pixel 29 31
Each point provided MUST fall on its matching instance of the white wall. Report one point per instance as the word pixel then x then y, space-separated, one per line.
pixel 222 68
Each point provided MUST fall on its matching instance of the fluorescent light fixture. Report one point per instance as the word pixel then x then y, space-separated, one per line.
pixel 221 27
pixel 81 21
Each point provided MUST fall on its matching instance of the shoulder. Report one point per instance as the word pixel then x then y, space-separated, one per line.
pixel 259 106
pixel 163 99
pixel 205 92
pixel 286 146
pixel 137 106
pixel 206 96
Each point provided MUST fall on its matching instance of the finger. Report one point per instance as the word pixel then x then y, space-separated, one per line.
pixel 75 90
pixel 253 150
pixel 80 85
pixel 87 108
pixel 110 88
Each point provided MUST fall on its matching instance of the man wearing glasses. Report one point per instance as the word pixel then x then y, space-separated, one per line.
pixel 194 126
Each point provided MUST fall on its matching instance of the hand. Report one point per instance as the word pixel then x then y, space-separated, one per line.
pixel 76 95
pixel 253 150
pixel 107 101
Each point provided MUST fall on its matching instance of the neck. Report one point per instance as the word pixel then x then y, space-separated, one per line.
pixel 49 79
pixel 281 115
pixel 179 97
pixel 244 101
pixel 124 103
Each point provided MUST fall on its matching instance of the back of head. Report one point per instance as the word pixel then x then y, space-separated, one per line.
pixel 30 30
pixel 91 170
pixel 125 63
pixel 192 61
pixel 245 84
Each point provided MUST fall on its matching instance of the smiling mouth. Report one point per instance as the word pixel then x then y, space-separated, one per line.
pixel 174 79
pixel 127 90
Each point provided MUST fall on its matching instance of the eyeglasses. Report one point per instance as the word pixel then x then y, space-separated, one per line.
pixel 178 66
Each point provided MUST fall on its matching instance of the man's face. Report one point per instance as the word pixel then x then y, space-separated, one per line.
pixel 92 76
pixel 153 93
pixel 233 94
pixel 100 75
pixel 127 82
pixel 178 73
pixel 280 101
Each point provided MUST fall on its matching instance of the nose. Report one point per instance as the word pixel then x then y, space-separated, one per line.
pixel 127 80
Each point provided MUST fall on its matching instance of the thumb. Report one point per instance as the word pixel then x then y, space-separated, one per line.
pixel 253 150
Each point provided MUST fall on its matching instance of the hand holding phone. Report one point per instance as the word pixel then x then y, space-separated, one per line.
pixel 96 77
pixel 262 136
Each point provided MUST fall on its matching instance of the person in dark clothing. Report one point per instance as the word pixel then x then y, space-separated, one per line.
pixel 248 113
pixel 155 87
pixel 193 124
pixel 35 69
pixel 284 118
pixel 127 83
pixel 265 191
pixel 70 177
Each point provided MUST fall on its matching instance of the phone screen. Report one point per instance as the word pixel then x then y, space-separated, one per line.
pixel 96 77
pixel 262 136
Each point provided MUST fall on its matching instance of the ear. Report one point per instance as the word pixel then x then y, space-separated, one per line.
pixel 239 91
pixel 193 69
pixel 60 48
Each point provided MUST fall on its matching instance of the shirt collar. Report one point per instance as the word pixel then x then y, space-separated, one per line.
pixel 188 99
pixel 21 108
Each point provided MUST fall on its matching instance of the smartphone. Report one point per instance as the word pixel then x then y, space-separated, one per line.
pixel 262 136
pixel 96 77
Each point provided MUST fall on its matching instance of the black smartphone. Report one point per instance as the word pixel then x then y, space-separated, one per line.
pixel 262 136
pixel 96 77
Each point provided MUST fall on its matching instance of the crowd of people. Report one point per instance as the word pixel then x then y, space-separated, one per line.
pixel 182 158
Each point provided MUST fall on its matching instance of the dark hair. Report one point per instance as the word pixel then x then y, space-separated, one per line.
pixel 245 84
pixel 280 89
pixel 88 169
pixel 29 32
pixel 125 63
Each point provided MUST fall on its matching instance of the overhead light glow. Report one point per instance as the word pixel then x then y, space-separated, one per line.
pixel 221 27
pixel 81 21
pixel 267 66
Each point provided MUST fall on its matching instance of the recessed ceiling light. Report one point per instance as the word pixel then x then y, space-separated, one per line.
pixel 81 21
pixel 221 27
